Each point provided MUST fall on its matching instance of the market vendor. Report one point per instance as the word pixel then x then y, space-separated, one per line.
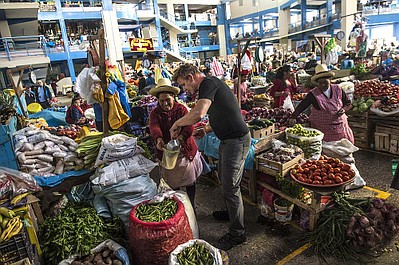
pixel 75 114
pixel 328 105
pixel 216 99
pixel 243 89
pixel 284 85
pixel 43 94
pixel 189 165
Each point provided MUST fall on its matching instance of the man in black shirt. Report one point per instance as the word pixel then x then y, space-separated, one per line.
pixel 216 99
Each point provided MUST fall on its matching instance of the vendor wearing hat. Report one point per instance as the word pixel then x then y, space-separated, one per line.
pixel 328 103
pixel 189 165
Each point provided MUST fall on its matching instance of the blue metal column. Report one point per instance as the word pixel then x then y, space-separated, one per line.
pixel 303 14
pixel 158 24
pixel 221 11
pixel 66 40
pixel 261 21
pixel 329 4
pixel 188 27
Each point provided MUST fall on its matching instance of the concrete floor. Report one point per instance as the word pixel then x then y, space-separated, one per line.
pixel 271 242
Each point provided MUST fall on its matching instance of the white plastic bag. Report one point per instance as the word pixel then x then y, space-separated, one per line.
pixel 122 169
pixel 288 104
pixel 215 252
pixel 342 148
pixel 116 147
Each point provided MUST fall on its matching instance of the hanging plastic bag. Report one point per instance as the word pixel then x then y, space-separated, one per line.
pixel 288 104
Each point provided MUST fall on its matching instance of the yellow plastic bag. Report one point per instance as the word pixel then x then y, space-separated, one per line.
pixel 34 108
pixel 116 116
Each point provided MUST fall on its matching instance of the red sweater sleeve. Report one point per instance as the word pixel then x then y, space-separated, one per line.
pixel 186 131
pixel 155 129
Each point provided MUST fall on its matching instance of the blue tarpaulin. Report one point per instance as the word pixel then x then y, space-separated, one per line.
pixel 57 179
pixel 53 118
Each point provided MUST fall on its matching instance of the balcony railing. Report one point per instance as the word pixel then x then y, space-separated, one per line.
pixel 371 10
pixel 14 47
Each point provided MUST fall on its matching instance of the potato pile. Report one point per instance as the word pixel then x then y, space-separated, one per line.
pixel 105 257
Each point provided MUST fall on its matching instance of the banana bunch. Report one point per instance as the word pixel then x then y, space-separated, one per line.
pixel 12 228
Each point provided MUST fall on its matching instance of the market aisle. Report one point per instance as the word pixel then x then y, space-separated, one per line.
pixel 270 242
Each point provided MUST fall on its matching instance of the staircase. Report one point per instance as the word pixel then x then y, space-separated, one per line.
pixel 176 54
pixel 168 22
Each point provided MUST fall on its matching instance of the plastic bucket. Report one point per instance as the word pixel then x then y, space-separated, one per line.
pixel 283 213
pixel 169 158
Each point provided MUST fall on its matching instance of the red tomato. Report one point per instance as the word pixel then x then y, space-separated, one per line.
pixel 317 182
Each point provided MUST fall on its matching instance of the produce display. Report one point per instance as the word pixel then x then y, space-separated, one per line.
pixel 156 212
pixel 106 256
pixel 10 223
pixel 144 100
pixel 42 153
pixel 262 100
pixel 362 105
pixel 309 140
pixel 195 254
pixel 323 172
pixel 279 116
pixel 359 70
pixel 352 227
pixel 282 154
pixel 258 80
pixel 375 88
pixel 258 123
pixel 71 131
pixel 7 109
pixel 388 104
pixel 299 96
pixel 75 231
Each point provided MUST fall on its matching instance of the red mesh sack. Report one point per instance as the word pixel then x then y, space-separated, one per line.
pixel 152 242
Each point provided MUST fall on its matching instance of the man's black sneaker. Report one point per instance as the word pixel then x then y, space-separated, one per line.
pixel 229 241
pixel 221 215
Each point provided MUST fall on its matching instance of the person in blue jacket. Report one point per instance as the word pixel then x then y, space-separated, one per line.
pixel 43 94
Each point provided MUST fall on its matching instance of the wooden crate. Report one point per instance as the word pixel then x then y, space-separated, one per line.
pixel 381 141
pixel 258 134
pixel 273 168
pixel 394 144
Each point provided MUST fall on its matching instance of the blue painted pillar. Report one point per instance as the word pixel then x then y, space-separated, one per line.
pixel 107 5
pixel 186 14
pixel 158 24
pixel 61 20
pixel 276 23
pixel 395 31
pixel 261 23
pixel 148 2
pixel 303 14
pixel 221 11
pixel 329 4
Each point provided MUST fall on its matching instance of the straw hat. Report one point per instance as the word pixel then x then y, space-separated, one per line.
pixel 164 85
pixel 321 70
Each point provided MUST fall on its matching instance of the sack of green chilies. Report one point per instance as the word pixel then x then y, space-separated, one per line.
pixel 106 252
pixel 196 251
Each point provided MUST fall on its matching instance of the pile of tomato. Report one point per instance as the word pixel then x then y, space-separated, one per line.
pixel 325 171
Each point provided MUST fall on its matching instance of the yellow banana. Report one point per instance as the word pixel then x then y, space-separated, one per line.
pixel 7 212
pixel 10 227
pixel 16 229
pixel 3 201
pixel 18 198
pixel 4 223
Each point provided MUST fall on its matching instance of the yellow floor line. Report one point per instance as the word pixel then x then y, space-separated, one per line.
pixel 293 254
pixel 380 194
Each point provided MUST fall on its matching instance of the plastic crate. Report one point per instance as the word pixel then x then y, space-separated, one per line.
pixel 16 248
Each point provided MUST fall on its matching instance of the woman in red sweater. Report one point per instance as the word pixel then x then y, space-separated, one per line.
pixel 189 165
pixel 283 86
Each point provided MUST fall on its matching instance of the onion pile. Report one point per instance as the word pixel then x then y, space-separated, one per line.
pixel 279 115
pixel 380 222
pixel 374 88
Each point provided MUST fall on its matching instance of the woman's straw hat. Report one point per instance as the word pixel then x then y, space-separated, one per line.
pixel 164 85
pixel 321 70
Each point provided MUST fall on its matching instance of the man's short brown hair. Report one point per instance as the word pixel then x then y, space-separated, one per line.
pixel 185 70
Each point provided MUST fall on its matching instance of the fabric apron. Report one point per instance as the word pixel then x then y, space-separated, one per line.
pixel 326 119
pixel 185 172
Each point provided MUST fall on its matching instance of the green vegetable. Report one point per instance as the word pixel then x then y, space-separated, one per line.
pixel 196 254
pixel 156 212
pixel 76 230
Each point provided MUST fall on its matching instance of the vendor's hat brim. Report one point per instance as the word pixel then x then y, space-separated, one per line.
pixel 158 89
pixel 327 74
